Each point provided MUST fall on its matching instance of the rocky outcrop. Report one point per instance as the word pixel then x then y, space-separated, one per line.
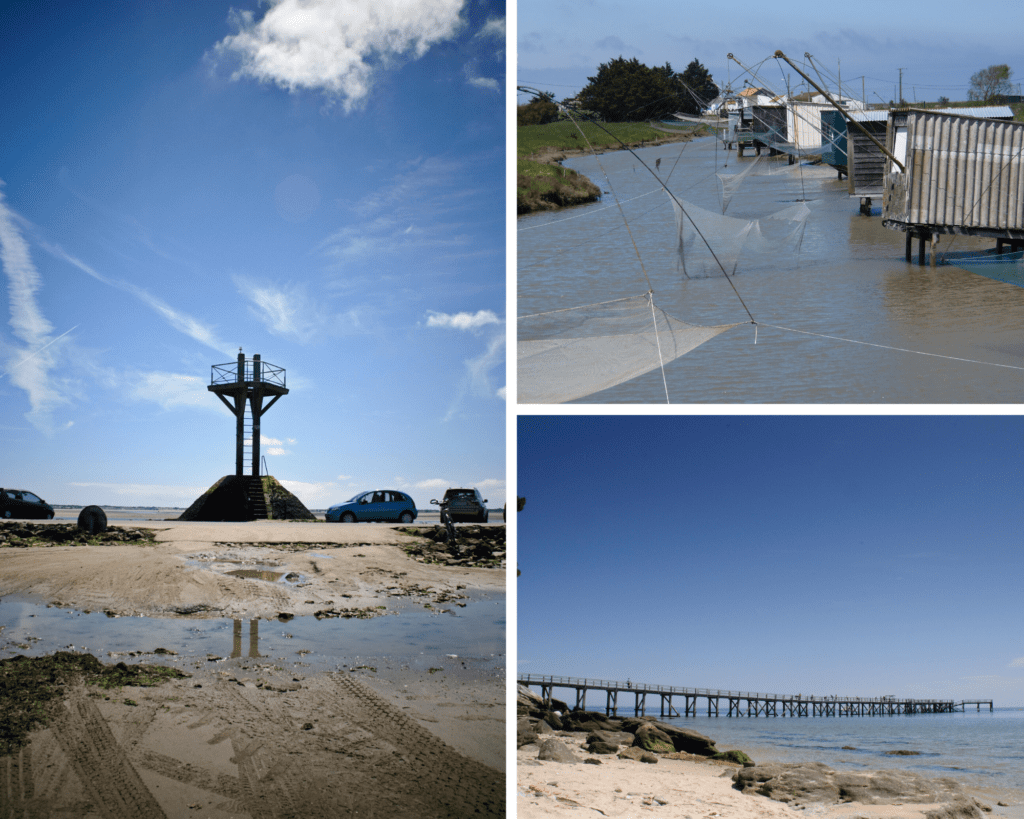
pixel 638 755
pixel 651 738
pixel 738 757
pixel 681 739
pixel 611 737
pixel 554 750
pixel 815 783
pixel 588 721
pixel 535 716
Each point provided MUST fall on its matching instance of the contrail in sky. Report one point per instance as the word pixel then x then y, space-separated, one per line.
pixel 37 352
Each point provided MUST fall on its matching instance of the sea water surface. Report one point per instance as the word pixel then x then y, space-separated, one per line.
pixel 983 750
pixel 849 280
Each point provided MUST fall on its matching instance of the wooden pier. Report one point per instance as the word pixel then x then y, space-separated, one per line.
pixel 667 700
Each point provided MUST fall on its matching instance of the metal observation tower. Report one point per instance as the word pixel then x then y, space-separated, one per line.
pixel 243 386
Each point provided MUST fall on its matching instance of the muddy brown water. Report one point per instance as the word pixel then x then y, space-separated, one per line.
pixel 849 280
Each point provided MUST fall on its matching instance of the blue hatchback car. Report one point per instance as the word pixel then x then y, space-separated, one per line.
pixel 379 505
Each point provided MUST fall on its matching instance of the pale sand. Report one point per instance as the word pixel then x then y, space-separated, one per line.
pixel 669 789
pixel 362 565
pixel 397 742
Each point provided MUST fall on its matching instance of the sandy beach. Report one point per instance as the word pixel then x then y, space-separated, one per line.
pixel 249 736
pixel 680 788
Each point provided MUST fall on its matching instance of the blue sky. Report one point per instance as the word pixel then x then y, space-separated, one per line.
pixel 841 555
pixel 939 47
pixel 322 184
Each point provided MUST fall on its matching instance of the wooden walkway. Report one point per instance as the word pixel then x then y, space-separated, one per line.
pixel 738 703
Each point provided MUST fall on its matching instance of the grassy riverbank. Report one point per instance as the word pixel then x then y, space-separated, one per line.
pixel 543 184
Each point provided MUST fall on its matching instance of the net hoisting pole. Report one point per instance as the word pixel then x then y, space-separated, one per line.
pixel 779 55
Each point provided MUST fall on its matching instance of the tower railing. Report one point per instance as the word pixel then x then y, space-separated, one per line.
pixel 228 373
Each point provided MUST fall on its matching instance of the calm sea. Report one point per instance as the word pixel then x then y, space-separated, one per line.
pixel 984 751
pixel 848 280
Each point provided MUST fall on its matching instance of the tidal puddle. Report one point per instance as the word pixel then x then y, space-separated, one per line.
pixel 269 571
pixel 476 634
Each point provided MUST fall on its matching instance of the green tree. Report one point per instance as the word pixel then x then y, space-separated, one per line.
pixel 538 111
pixel 699 88
pixel 628 91
pixel 990 83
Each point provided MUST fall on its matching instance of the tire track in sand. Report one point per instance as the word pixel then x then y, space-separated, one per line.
pixel 113 785
pixel 365 758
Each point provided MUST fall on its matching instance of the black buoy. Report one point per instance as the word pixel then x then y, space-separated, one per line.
pixel 93 520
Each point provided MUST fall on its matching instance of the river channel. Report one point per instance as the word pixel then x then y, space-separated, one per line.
pixel 933 335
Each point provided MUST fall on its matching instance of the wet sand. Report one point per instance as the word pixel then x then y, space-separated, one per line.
pixel 252 736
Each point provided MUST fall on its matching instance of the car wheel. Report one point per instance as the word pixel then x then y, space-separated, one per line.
pixel 405 517
pixel 49 516
pixel 348 517
pixel 483 517
pixel 7 513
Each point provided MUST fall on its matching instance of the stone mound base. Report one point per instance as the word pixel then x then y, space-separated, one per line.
pixel 225 500
pixel 282 504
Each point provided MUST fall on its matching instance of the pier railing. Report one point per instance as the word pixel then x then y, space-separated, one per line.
pixel 758 703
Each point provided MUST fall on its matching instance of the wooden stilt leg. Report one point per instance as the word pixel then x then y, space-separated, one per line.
pixel 910 245
pixel 920 250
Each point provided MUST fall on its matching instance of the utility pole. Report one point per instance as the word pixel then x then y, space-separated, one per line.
pixel 901 86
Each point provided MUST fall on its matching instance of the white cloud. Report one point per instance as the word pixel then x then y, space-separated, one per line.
pixel 344 477
pixel 427 206
pixel 337 46
pixel 313 495
pixel 139 494
pixel 433 483
pixel 1018 663
pixel 273 446
pixel 489 83
pixel 28 367
pixel 502 393
pixel 477 379
pixel 172 390
pixel 462 321
pixel 288 311
pixel 495 27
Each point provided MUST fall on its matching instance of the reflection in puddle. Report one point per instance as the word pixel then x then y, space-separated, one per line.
pixel 254 639
pixel 256 574
pixel 269 572
pixel 477 631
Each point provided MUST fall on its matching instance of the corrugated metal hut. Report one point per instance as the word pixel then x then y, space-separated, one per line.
pixel 963 174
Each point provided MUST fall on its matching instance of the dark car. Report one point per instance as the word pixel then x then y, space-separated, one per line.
pixel 17 503
pixel 381 504
pixel 466 505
